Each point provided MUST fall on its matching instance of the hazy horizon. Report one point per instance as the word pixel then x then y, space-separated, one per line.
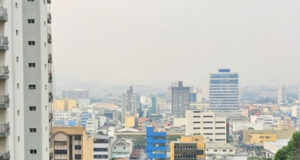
pixel 157 42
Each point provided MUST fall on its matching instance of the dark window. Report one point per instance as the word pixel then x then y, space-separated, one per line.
pixel 78 138
pixel 31 65
pixel 30 20
pixel 100 141
pixel 77 147
pixel 77 156
pixel 60 151
pixel 32 86
pixel 31 43
pixel 30 0
pixel 33 151
pixel 32 108
pixel 100 149
pixel 32 129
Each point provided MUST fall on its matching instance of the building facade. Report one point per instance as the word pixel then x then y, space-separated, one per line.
pixel 64 104
pixel 282 99
pixel 188 147
pixel 156 144
pixel 121 149
pixel 206 124
pixel 102 147
pixel 180 99
pixel 129 103
pixel 71 143
pixel 25 79
pixel 224 91
pixel 81 95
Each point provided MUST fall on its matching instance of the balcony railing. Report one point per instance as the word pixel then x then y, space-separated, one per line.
pixel 49 19
pixel 49 38
pixel 4 130
pixel 49 58
pixel 3 14
pixel 5 156
pixel 50 78
pixel 4 101
pixel 4 72
pixel 3 43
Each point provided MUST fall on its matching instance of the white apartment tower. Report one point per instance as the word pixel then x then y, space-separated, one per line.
pixel 206 124
pixel 25 79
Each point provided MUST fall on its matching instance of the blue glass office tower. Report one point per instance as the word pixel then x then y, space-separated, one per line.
pixel 224 91
pixel 156 144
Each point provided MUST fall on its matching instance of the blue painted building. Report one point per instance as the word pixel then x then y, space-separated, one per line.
pixel 156 144
pixel 84 116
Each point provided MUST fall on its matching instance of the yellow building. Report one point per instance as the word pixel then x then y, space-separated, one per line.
pixel 261 138
pixel 64 104
pixel 188 147
pixel 71 143
pixel 129 122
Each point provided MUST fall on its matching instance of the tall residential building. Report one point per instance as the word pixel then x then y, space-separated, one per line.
pixel 102 147
pixel 206 124
pixel 129 103
pixel 180 99
pixel 71 143
pixel 224 91
pixel 156 144
pixel 154 104
pixel 188 147
pixel 281 99
pixel 25 79
pixel 81 95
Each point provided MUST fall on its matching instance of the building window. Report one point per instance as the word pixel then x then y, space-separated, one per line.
pixel 30 0
pixel 32 130
pixel 32 86
pixel 32 108
pixel 17 59
pixel 77 156
pixel 78 138
pixel 33 151
pixel 31 43
pixel 30 21
pixel 77 147
pixel 18 112
pixel 16 5
pixel 31 65
pixel 17 32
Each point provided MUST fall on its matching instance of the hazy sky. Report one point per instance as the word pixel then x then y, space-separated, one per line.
pixel 159 41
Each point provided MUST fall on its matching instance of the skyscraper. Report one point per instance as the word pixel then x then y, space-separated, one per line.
pixel 26 79
pixel 129 103
pixel 180 99
pixel 281 99
pixel 224 91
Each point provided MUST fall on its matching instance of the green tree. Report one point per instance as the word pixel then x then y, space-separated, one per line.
pixel 292 151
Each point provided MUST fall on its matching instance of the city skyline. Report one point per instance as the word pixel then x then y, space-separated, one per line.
pixel 141 42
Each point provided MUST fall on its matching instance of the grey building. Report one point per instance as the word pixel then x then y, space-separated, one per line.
pixel 129 103
pixel 180 99
pixel 224 91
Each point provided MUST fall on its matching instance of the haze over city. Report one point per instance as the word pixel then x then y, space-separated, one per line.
pixel 156 42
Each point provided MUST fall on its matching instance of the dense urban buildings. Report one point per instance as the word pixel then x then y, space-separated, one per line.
pixel 81 95
pixel 224 91
pixel 26 79
pixel 129 103
pixel 180 99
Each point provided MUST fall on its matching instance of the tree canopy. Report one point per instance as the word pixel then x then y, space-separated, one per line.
pixel 291 151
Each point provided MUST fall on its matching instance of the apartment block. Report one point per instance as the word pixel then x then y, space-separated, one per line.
pixel 130 122
pixel 25 79
pixel 206 124
pixel 156 144
pixel 121 149
pixel 71 143
pixel 180 99
pixel 102 147
pixel 188 147
pixel 64 104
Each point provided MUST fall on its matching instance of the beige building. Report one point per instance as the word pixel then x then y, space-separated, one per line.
pixel 206 124
pixel 70 143
pixel 129 121
pixel 64 104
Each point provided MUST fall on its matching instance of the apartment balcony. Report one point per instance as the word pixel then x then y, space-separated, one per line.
pixel 5 156
pixel 4 72
pixel 4 130
pixel 49 19
pixel 49 38
pixel 4 101
pixel 3 43
pixel 50 97
pixel 49 58
pixel 50 78
pixel 3 14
